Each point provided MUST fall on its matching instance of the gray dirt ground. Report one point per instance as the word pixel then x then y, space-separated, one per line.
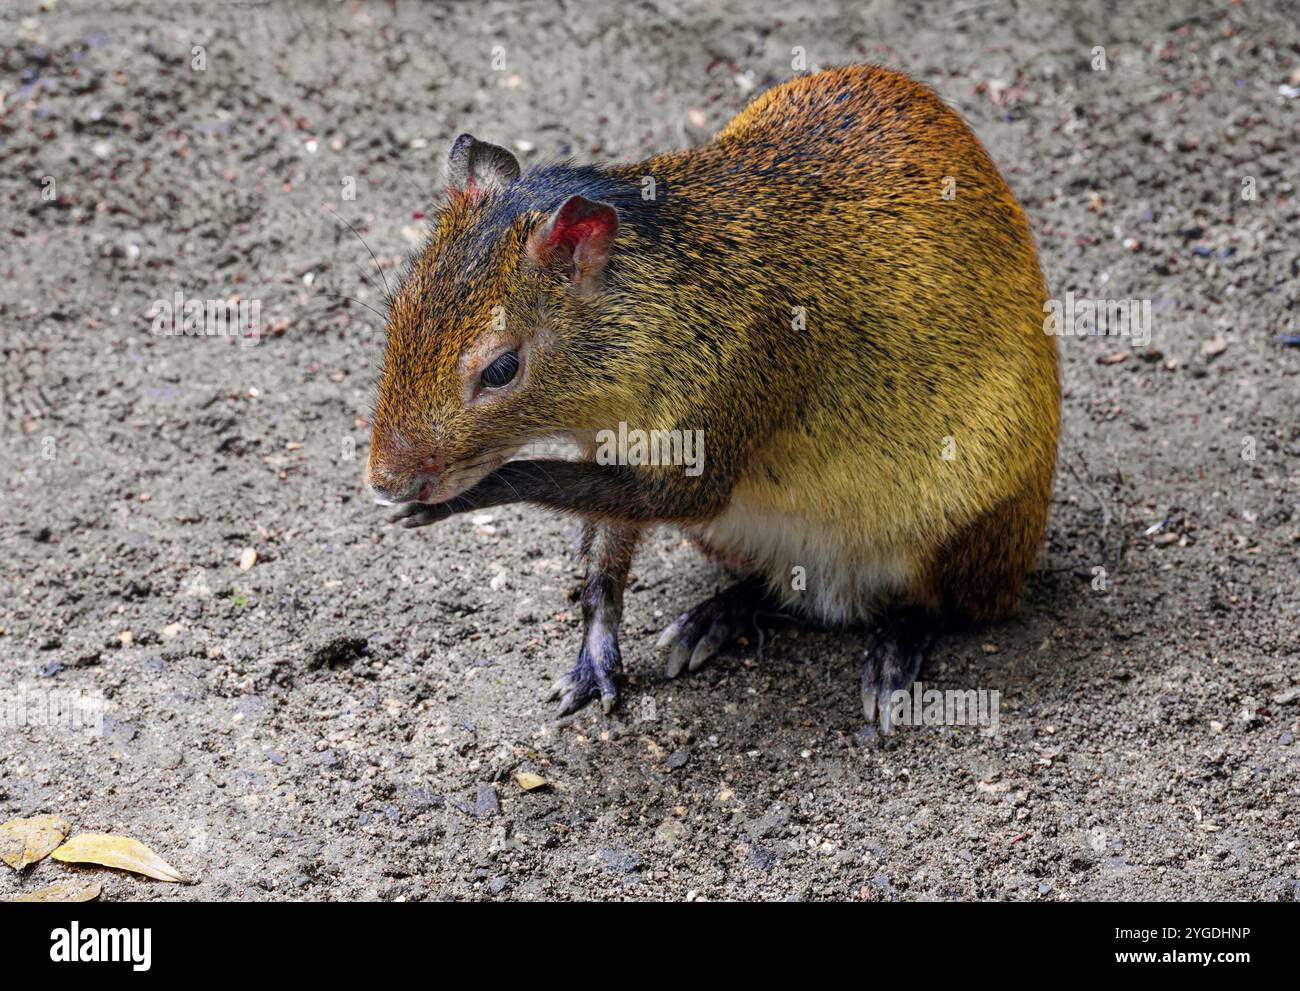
pixel 343 719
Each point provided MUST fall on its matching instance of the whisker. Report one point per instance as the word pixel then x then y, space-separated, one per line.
pixel 487 457
pixel 373 258
pixel 339 295
pixel 360 271
pixel 476 463
pixel 549 476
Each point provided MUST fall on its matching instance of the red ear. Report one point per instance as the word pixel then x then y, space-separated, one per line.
pixel 580 234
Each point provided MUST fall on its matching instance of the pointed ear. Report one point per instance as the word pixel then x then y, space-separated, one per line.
pixel 474 166
pixel 580 236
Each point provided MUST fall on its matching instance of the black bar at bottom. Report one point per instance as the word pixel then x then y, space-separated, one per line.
pixel 931 941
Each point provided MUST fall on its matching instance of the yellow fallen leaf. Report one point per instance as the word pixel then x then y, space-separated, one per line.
pixel 64 891
pixel 121 852
pixel 25 841
pixel 529 781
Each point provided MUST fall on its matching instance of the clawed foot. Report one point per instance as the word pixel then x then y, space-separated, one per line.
pixel 591 678
pixel 415 514
pixel 698 634
pixel 892 662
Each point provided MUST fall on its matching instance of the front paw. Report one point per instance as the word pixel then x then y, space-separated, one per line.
pixel 413 514
pixel 591 678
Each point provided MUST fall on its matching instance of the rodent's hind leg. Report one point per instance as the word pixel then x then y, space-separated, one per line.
pixel 699 633
pixel 608 549
pixel 893 661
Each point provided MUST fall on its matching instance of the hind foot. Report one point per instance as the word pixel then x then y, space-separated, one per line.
pixel 892 662
pixel 698 634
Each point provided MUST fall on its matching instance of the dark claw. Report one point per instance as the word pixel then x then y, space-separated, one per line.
pixel 698 634
pixel 591 678
pixel 892 663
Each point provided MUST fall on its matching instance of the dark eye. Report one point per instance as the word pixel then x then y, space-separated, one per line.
pixel 502 371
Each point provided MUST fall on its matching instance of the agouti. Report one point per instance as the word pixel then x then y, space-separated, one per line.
pixel 839 296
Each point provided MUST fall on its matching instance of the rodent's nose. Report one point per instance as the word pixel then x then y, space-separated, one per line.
pixel 391 492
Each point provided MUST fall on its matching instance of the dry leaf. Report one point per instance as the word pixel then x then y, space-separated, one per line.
pixel 529 781
pixel 64 891
pixel 121 852
pixel 25 841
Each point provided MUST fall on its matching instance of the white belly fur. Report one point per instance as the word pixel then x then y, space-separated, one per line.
pixel 843 584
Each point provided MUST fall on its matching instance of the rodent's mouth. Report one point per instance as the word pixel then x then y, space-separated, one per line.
pixel 454 482
pixel 461 477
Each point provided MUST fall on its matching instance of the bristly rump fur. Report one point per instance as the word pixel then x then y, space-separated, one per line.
pixel 866 358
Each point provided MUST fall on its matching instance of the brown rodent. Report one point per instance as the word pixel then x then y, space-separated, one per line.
pixel 839 291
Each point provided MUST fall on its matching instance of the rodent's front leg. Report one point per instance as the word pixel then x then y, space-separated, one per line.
pixel 616 493
pixel 608 550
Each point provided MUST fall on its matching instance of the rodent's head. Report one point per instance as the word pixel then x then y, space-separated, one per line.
pixel 488 336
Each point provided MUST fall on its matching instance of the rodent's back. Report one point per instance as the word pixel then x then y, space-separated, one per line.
pixel 921 391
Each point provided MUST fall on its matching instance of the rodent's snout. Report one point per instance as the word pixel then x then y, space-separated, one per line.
pixel 404 469
pixel 390 491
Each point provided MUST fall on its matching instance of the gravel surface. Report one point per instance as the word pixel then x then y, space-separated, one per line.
pixel 344 717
